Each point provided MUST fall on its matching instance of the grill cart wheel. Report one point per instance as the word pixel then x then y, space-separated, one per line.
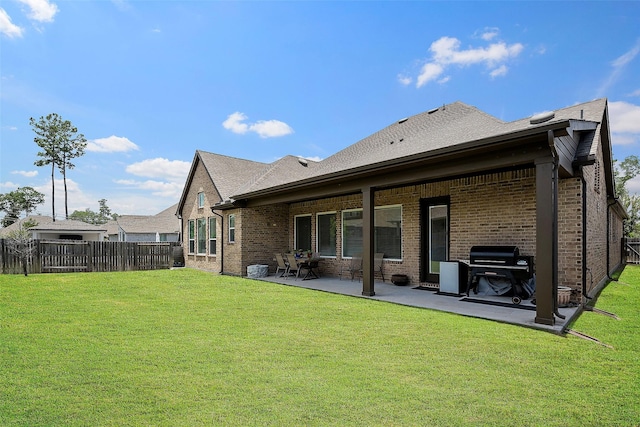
pixel 516 300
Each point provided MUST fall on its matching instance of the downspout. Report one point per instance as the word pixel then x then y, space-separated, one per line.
pixel 554 154
pixel 584 232
pixel 613 202
pixel 221 239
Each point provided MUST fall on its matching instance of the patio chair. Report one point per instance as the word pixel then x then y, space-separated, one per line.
pixel 293 265
pixel 353 267
pixel 282 266
pixel 377 264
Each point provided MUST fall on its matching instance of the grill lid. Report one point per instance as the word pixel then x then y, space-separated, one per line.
pixel 494 255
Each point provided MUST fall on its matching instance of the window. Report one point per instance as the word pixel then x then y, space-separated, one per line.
pixel 192 236
pixel 232 228
pixel 326 234
pixel 387 232
pixel 303 232
pixel 202 236
pixel 351 233
pixel 201 199
pixel 212 235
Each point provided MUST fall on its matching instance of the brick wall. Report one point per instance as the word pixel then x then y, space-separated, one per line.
pixel 201 183
pixel 267 235
pixel 489 209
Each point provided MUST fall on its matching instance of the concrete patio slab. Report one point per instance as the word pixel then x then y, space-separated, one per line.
pixel 522 314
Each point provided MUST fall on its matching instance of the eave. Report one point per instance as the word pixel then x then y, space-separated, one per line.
pixel 511 149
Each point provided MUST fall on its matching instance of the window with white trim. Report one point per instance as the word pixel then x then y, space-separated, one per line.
pixel 192 236
pixel 232 228
pixel 202 236
pixel 326 234
pixel 201 199
pixel 212 235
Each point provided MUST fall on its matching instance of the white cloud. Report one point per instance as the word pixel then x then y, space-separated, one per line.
pixel 627 57
pixel 41 10
pixel 157 188
pixel 264 128
pixel 635 93
pixel 624 119
pixel 26 174
pixel 500 71
pixel 489 34
pixel 619 64
pixel 270 128
pixel 446 52
pixel 430 71
pixel 171 170
pixel 233 123
pixel 404 80
pixel 112 144
pixel 7 27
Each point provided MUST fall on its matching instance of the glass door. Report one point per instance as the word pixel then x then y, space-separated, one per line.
pixel 434 243
pixel 438 237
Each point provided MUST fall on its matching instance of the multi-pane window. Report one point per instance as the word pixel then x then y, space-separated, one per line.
pixel 387 232
pixel 201 199
pixel 232 228
pixel 202 235
pixel 303 232
pixel 192 236
pixel 212 235
pixel 326 234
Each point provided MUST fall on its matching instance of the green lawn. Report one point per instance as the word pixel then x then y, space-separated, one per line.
pixel 187 348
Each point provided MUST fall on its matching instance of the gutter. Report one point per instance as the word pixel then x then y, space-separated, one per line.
pixel 584 234
pixel 404 161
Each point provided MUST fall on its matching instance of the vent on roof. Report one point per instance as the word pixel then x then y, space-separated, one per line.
pixel 542 117
pixel 433 110
pixel 403 120
pixel 303 162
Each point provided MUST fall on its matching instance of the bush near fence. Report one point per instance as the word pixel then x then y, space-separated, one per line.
pixel 64 256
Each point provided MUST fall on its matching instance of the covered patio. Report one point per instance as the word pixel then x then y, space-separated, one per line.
pixel 499 309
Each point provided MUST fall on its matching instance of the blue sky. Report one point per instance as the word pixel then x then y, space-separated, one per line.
pixel 150 82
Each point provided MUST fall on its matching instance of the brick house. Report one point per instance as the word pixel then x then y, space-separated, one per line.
pixel 425 189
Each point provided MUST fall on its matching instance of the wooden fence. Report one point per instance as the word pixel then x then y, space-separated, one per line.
pixel 632 247
pixel 64 256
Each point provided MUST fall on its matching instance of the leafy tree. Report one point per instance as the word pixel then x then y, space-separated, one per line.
pixel 24 199
pixel 628 169
pixel 19 243
pixel 96 218
pixel 60 143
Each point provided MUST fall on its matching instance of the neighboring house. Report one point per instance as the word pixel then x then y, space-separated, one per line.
pixel 47 229
pixel 425 189
pixel 162 227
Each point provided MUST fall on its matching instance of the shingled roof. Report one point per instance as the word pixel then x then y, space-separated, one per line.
pixel 452 127
pixel 164 222
pixel 45 223
pixel 441 128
